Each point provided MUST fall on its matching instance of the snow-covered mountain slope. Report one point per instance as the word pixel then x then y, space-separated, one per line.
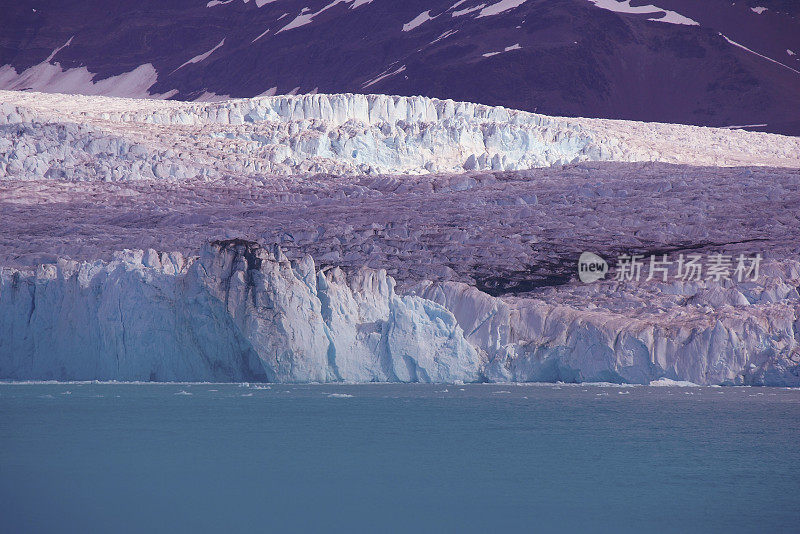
pixel 98 138
pixel 713 63
pixel 240 313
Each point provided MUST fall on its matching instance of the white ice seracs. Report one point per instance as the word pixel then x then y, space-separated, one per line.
pixel 235 313
pixel 340 133
pixel 727 339
pixel 238 312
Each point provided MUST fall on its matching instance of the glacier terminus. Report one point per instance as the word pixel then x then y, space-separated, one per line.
pixel 370 238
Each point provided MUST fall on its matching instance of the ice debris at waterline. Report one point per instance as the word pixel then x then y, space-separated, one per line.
pixel 239 312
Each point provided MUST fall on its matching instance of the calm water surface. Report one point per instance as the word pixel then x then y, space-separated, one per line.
pixel 397 458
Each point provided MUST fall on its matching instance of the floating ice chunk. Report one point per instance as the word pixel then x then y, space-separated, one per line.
pixel 666 382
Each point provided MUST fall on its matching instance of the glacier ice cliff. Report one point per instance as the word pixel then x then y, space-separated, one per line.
pixel 239 312
pixel 700 332
pixel 456 267
pixel 236 312
pixel 114 139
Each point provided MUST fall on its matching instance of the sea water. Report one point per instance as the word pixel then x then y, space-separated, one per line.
pixel 86 457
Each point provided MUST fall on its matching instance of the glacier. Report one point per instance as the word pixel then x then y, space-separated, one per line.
pixel 723 337
pixel 72 137
pixel 362 238
pixel 238 312
pixel 235 313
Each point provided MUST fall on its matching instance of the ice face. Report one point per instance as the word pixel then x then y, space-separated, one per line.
pixel 237 312
pixel 637 335
pixel 113 139
pixel 183 174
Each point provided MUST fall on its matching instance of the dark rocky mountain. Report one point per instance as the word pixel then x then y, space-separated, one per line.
pixel 710 62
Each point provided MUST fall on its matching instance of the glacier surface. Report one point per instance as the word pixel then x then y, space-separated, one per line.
pixel 113 139
pixel 458 266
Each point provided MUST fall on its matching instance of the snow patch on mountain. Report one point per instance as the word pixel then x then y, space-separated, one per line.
pixel 385 74
pixel 663 15
pixel 259 3
pixel 272 91
pixel 201 57
pixel 506 49
pixel 444 35
pixel 59 49
pixel 738 45
pixel 306 17
pixel 209 96
pixel 500 7
pixel 262 34
pixel 417 21
pixel 53 78
pixel 467 10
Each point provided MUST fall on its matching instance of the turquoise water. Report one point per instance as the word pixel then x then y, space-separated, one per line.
pixel 397 458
